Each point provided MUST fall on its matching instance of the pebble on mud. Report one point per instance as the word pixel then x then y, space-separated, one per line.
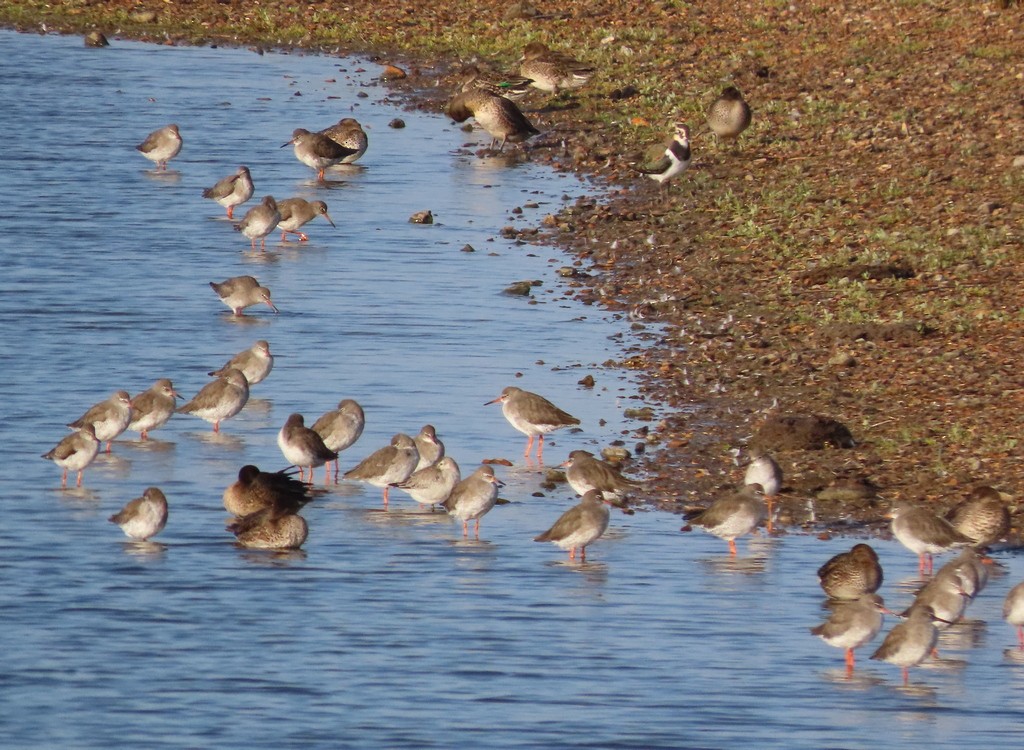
pixel 587 382
pixel 614 454
pixel 644 413
pixel 397 124
pixel 521 288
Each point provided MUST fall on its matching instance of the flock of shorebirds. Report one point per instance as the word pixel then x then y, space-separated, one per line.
pixel 266 505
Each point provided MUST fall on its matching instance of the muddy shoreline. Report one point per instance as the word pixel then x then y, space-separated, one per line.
pixel 858 256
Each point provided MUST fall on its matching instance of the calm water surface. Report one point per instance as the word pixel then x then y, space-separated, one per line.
pixel 388 629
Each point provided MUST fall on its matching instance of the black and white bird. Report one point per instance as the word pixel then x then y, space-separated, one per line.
pixel 669 160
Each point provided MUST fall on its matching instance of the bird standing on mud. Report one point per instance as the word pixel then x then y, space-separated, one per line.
pixel 669 160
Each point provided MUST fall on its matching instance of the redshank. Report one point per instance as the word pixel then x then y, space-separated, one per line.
pixel 255 363
pixel 732 515
pixel 432 484
pixel 161 146
pixel 970 569
pixel 581 525
pixel 584 472
pixel 231 191
pixel 303 447
pixel 259 221
pixel 278 526
pixel 552 71
pixel 944 596
pixel 499 116
pixel 850 575
pixel 852 624
pixel 219 399
pixel 143 517
pixel 348 133
pixel 341 427
pixel 389 465
pixel 765 471
pixel 924 533
pixel 296 213
pixel 1013 611
pixel 74 453
pixel 153 408
pixel 729 115
pixel 983 516
pixel 665 161
pixel 240 292
pixel 429 446
pixel 473 497
pixel 910 642
pixel 318 151
pixel 256 490
pixel 532 415
pixel 109 418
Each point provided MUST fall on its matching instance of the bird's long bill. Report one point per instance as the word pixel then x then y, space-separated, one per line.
pixel 287 143
pixel 329 220
pixel 272 306
pixel 492 401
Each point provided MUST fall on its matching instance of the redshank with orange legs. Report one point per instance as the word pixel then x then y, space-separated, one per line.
pixel 303 447
pixel 296 213
pixel 75 452
pixel 732 515
pixel 473 498
pixel 925 534
pixel 161 146
pixel 533 415
pixel 910 642
pixel 109 418
pixel 259 221
pixel 153 408
pixel 389 465
pixel 340 428
pixel 318 151
pixel 231 191
pixel 852 624
pixel 581 525
pixel 220 399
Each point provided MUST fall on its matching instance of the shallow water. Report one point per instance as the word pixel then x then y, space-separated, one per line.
pixel 388 629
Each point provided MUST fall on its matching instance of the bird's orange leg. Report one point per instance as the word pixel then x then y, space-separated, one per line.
pixel 732 547
pixel 386 498
pixel 216 426
pixel 231 212
pixel 64 484
pixel 79 482
pixel 529 444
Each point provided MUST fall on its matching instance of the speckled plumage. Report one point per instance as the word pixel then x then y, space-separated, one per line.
pixel 850 575
pixel 499 116
pixel 255 490
pixel 348 133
